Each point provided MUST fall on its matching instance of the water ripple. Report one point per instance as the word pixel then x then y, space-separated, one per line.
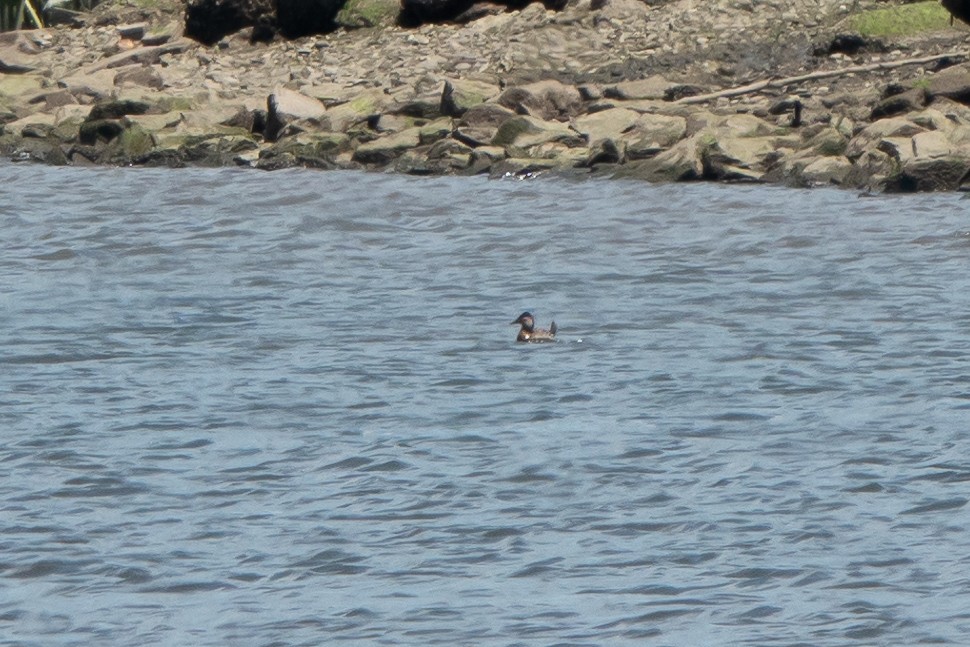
pixel 287 409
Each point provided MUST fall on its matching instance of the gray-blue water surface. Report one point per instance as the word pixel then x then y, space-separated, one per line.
pixel 287 409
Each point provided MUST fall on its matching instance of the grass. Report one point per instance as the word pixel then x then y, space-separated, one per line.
pixel 902 20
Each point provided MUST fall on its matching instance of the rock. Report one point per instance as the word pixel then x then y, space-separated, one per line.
pixel 870 136
pixel 898 104
pixel 828 141
pixel 871 170
pixel 450 154
pixel 144 76
pixel 39 150
pixel 140 56
pixel 208 21
pixel 132 31
pixel 606 124
pixel 546 100
pixel 297 18
pixel 384 150
pixel 737 158
pixel 15 88
pixel 952 83
pixel 523 131
pixel 100 131
pixel 938 174
pixel 13 58
pixel 900 149
pixel 827 170
pixel 290 109
pixel 959 9
pixel 312 150
pixel 604 151
pixel 118 108
pixel 90 87
pixel 654 87
pixel 435 131
pixel 652 134
pixel 415 12
pixel 358 110
pixel 931 144
pixel 485 115
pixel 56 99
pixel 480 123
pixel 458 95
pixel 681 162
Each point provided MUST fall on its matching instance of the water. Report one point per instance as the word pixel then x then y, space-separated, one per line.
pixel 286 409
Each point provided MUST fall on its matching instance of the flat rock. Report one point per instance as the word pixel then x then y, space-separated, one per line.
pixel 654 87
pixel 931 144
pixel 607 124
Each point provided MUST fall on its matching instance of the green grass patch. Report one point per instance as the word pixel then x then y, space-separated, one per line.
pixel 903 20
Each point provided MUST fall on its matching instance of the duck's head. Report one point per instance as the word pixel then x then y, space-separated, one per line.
pixel 526 320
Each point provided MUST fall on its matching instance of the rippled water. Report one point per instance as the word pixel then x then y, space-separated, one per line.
pixel 286 409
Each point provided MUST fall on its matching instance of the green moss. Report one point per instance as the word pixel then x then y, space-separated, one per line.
pixel 135 142
pixel 368 13
pixel 904 20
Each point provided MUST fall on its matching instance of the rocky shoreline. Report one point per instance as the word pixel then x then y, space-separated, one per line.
pixel 620 88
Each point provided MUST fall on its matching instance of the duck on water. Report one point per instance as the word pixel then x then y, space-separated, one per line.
pixel 528 331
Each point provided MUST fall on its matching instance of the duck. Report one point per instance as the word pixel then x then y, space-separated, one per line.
pixel 529 333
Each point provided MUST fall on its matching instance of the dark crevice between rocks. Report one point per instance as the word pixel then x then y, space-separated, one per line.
pixel 850 45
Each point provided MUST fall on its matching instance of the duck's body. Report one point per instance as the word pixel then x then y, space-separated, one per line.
pixel 528 331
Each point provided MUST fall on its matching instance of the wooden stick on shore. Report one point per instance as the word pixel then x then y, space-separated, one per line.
pixel 821 74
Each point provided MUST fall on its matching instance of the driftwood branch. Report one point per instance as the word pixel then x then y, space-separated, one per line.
pixel 821 74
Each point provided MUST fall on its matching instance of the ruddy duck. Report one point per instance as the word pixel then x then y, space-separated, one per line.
pixel 529 332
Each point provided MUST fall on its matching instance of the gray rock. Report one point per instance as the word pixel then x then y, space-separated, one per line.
pixel 652 134
pixel 548 100
pixel 144 76
pixel 938 174
pixel 288 108
pixel 952 83
pixel 654 87
pixel 609 123
pixel 870 136
pixel 825 171
pixel 681 162
pixel 931 144
pixel 384 150
pixel 523 131
pixel 898 104
pixel 458 95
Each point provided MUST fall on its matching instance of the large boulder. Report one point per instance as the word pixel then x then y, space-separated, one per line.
pixel 208 21
pixel 480 123
pixel 415 12
pixel 606 124
pixel 931 174
pixel 289 111
pixel 959 9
